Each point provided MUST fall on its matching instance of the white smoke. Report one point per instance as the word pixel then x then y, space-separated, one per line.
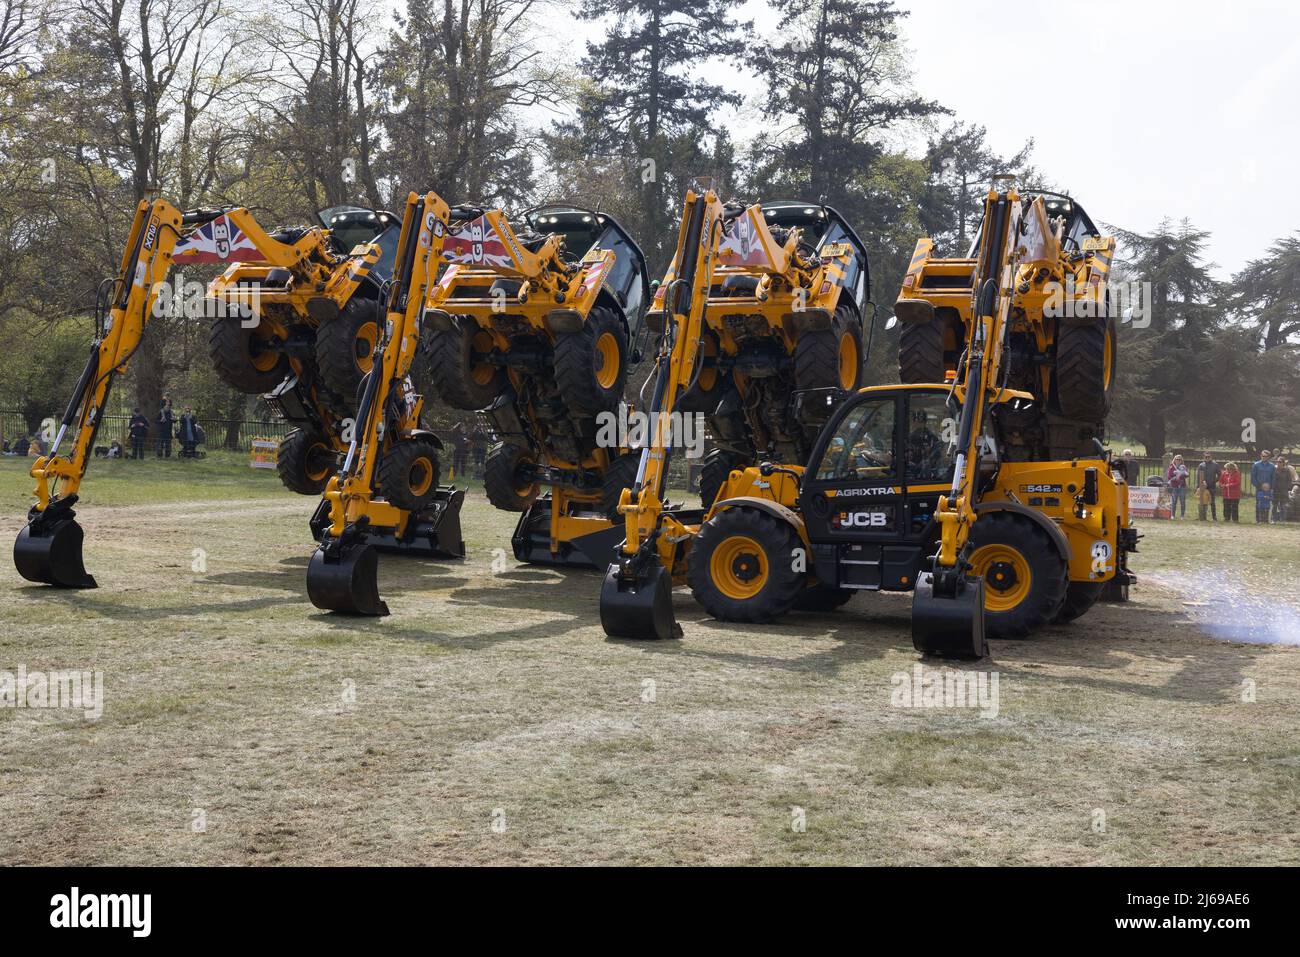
pixel 1226 607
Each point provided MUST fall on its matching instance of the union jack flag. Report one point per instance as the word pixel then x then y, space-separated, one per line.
pixel 476 244
pixel 219 241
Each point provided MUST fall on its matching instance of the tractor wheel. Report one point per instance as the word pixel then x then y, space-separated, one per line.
pixel 1079 597
pixel 591 364
pixel 409 473
pixel 1024 575
pixel 718 465
pixel 821 597
pixel 621 474
pixel 830 358
pixel 711 384
pixel 927 350
pixel 243 358
pixel 345 348
pixel 457 369
pixel 1085 369
pixel 501 480
pixel 304 461
pixel 741 568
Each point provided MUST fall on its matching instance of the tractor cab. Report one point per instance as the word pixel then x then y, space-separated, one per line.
pixel 353 228
pixel 585 232
pixel 823 228
pixel 873 483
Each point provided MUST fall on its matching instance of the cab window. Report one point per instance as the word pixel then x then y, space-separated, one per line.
pixel 863 444
pixel 931 444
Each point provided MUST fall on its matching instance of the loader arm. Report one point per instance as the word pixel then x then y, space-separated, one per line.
pixel 983 366
pixel 342 575
pixel 636 598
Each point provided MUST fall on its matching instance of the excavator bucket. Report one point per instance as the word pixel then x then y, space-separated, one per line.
pixel 346 582
pixel 50 553
pixel 949 626
pixel 638 605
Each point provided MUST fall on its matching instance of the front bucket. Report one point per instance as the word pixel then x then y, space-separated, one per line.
pixel 638 606
pixel 348 583
pixel 52 555
pixel 949 626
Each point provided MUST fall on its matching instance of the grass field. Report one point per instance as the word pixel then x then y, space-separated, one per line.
pixel 489 720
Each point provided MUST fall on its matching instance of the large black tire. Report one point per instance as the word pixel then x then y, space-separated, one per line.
pixel 920 352
pixel 345 348
pixel 718 464
pixel 830 358
pixel 501 479
pixel 821 597
pixel 457 369
pixel 621 474
pixel 591 364
pixel 409 473
pixel 1079 598
pixel 741 566
pixel 1085 369
pixel 304 461
pixel 242 357
pixel 1024 574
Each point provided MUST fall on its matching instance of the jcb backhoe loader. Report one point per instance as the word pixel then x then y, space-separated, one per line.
pixel 540 344
pixel 911 487
pixel 278 292
pixel 386 495
pixel 758 301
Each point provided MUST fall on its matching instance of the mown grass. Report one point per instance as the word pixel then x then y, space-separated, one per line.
pixel 489 720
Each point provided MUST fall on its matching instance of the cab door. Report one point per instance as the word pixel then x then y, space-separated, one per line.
pixel 852 497
pixel 929 454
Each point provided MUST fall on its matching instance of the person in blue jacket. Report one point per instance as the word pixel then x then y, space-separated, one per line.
pixel 1261 476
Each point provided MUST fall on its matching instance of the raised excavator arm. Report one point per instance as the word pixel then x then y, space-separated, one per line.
pixel 390 471
pixel 636 597
pixel 49 547
pixel 1018 254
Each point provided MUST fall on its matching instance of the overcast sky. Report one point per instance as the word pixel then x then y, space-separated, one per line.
pixel 1142 109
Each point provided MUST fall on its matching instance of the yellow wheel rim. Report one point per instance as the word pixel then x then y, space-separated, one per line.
pixel 606 360
pixel 738 567
pixel 263 358
pixel 318 452
pixel 364 345
pixel 523 489
pixel 480 345
pixel 848 361
pixel 1006 574
pixel 420 477
pixel 1107 362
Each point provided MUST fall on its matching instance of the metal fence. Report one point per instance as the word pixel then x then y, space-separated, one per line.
pixel 233 434
pixel 1158 468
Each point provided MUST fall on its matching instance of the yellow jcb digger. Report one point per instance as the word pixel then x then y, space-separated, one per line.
pixel 534 331
pixel 283 298
pixel 759 301
pixel 917 487
pixel 386 496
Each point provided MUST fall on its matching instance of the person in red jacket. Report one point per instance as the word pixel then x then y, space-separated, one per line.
pixel 1230 487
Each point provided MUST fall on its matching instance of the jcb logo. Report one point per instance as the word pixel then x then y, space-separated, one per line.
pixel 863 520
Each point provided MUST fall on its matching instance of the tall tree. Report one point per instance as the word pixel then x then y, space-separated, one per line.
pixel 454 78
pixel 650 102
pixel 1171 356
pixel 1266 294
pixel 962 164
pixel 835 82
